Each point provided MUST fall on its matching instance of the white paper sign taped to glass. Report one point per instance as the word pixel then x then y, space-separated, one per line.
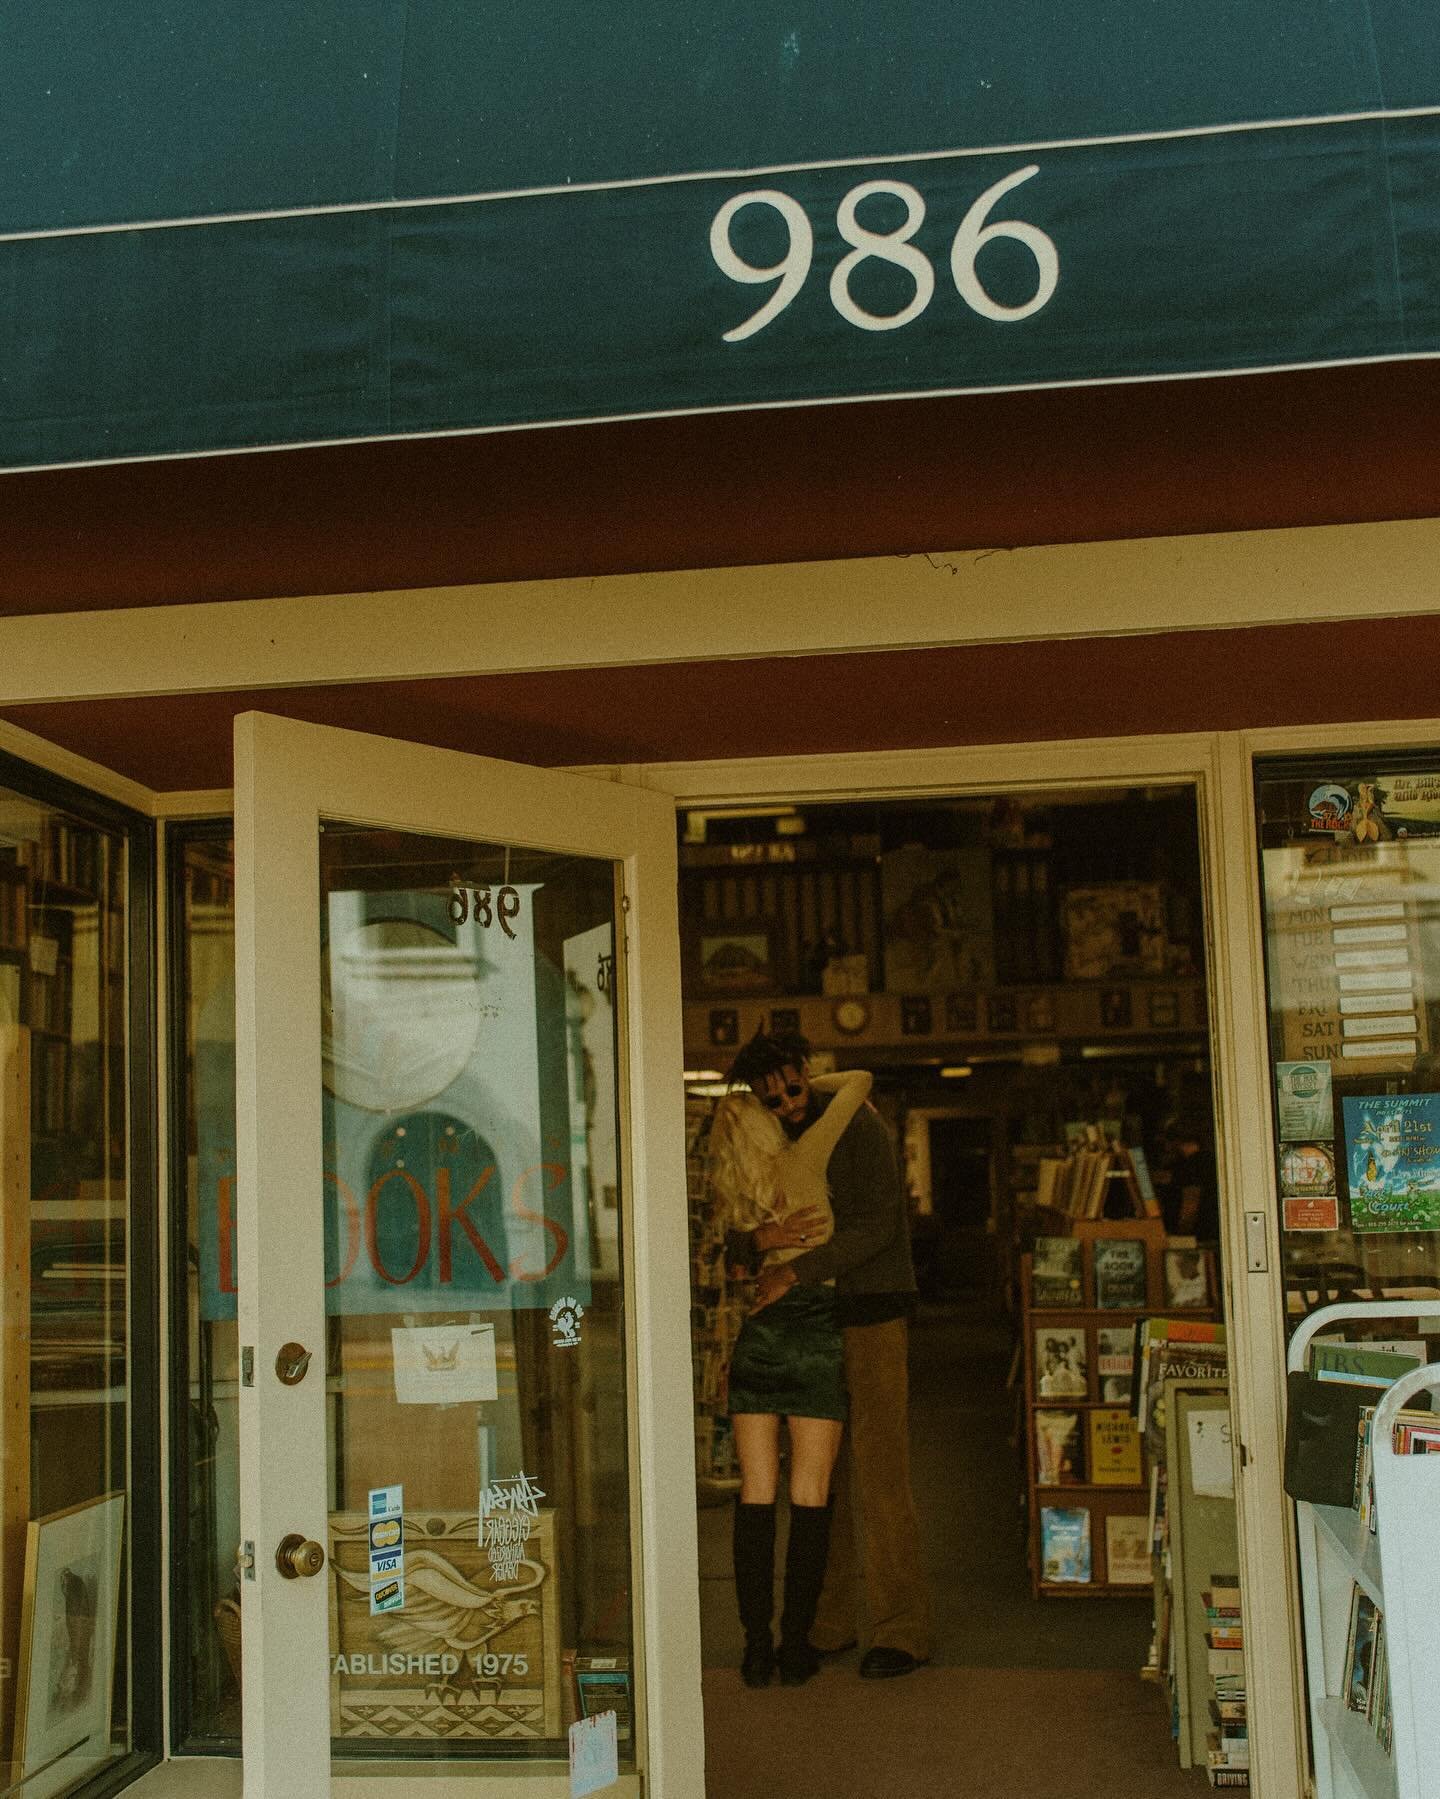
pixel 450 1182
pixel 1212 1467
pixel 594 1755
pixel 444 1364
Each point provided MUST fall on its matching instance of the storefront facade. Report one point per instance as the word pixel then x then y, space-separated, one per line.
pixel 160 695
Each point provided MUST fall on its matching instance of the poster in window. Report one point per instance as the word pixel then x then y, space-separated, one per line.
pixel 1392 1161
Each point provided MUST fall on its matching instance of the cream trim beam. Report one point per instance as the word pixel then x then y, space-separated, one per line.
pixel 792 609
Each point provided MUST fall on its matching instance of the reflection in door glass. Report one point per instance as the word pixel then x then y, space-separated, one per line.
pixel 65 1371
pixel 477 1432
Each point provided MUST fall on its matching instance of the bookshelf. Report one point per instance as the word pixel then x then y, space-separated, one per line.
pixel 1071 1370
pixel 1396 1567
pixel 714 1315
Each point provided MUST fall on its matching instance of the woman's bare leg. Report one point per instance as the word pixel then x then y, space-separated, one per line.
pixel 757 1445
pixel 814 1445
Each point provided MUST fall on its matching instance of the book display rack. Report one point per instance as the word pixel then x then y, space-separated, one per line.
pixel 1371 1585
pixel 1199 1635
pixel 1087 1480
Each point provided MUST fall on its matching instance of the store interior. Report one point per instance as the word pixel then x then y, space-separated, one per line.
pixel 1024 975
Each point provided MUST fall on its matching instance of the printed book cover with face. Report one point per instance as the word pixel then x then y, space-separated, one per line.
pixel 1061 1364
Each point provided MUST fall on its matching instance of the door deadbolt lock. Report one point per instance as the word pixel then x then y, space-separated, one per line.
pixel 292 1363
pixel 297 1557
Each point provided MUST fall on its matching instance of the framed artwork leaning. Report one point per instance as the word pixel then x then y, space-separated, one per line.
pixel 69 1626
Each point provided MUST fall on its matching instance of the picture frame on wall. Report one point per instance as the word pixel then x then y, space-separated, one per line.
pixel 69 1627
pixel 738 961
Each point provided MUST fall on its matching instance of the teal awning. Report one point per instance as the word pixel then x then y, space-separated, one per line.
pixel 224 227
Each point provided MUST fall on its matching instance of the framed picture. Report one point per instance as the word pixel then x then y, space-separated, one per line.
pixel 724 1027
pixel 68 1629
pixel 738 961
pixel 960 1012
pixel 1116 1011
pixel 916 1015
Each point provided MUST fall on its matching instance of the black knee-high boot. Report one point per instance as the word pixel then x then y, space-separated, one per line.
pixel 804 1576
pixel 755 1589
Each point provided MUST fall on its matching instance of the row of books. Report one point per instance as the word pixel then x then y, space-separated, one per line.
pixel 1103 1452
pixel 1118 1267
pixel 1227 1761
pixel 1367 1668
pixel 1066 1557
pixel 1080 1183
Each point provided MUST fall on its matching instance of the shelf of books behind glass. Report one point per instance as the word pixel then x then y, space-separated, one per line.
pixel 1087 1479
pixel 1371 1577
pixel 715 1314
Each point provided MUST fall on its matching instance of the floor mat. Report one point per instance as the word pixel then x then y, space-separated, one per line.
pixel 943 1733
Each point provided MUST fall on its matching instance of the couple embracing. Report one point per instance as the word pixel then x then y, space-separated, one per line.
pixel 806 1173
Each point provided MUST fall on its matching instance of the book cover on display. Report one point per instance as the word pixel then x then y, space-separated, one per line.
pixel 1392 1161
pixel 1059 1457
pixel 1120 1274
pixel 1186 1278
pixel 1127 1550
pixel 1065 1544
pixel 1115 1362
pixel 1055 1275
pixel 1061 1364
pixel 1114 1448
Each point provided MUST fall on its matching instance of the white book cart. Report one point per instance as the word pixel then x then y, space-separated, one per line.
pixel 1399 1568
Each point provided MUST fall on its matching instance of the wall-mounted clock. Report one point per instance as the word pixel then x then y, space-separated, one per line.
pixel 850 1015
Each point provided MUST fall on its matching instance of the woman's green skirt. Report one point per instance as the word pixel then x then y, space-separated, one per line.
pixel 788 1358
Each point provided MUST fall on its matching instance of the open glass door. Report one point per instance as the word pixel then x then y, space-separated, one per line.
pixel 465 1429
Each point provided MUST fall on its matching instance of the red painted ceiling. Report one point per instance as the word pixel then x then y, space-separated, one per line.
pixel 982 471
pixel 998 693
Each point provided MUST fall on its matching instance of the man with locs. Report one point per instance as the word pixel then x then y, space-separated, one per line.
pixel 868 1258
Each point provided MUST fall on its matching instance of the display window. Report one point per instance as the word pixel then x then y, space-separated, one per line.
pixel 79 1676
pixel 477 1434
pixel 1350 853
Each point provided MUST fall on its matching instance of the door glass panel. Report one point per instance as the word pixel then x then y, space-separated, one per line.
pixel 478 1455
pixel 207 1600
pixel 65 1368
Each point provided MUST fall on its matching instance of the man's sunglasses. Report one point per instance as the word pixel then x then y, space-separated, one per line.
pixel 792 1090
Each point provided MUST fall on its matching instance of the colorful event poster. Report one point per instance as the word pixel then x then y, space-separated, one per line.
pixel 1303 1100
pixel 1392 1161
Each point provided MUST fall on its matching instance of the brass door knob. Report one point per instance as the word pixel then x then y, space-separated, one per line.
pixel 298 1557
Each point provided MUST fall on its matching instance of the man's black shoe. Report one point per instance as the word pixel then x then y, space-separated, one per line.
pixel 885 1664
